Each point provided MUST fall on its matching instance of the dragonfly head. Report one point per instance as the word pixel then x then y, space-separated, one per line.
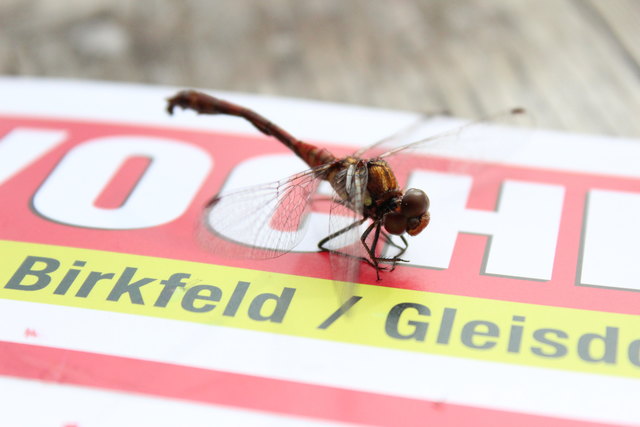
pixel 412 215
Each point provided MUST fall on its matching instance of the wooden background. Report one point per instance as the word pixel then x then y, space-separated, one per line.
pixel 573 63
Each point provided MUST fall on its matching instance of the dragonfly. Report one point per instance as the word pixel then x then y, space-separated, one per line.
pixel 366 190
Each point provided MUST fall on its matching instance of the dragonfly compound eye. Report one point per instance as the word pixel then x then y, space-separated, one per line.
pixel 414 203
pixel 395 223
pixel 416 224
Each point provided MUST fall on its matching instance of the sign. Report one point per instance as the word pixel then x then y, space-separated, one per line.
pixel 519 302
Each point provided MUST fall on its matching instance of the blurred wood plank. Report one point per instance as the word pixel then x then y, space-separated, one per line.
pixel 573 64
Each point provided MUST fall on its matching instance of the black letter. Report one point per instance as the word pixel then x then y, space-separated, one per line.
pixel 236 298
pixel 170 285
pixel 90 282
pixel 469 330
pixel 282 304
pixel 515 336
pixel 124 286
pixel 391 325
pixel 68 278
pixel 634 352
pixel 446 325
pixel 540 335
pixel 26 269
pixel 193 294
pixel 610 341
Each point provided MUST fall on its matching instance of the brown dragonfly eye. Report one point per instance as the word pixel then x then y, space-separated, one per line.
pixel 414 203
pixel 416 224
pixel 395 223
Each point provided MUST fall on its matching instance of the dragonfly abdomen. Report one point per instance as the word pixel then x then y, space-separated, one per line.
pixel 206 104
pixel 312 155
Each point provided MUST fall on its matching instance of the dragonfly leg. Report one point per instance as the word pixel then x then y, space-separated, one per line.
pixel 333 235
pixel 402 251
pixel 371 249
pixel 396 258
pixel 374 262
pixel 389 241
pixel 323 242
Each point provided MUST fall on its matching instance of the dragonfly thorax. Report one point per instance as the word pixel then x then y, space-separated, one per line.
pixel 381 182
pixel 399 213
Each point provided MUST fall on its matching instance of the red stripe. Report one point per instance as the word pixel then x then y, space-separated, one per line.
pixel 463 277
pixel 123 183
pixel 263 394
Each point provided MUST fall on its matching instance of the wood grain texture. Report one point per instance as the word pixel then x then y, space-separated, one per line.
pixel 573 63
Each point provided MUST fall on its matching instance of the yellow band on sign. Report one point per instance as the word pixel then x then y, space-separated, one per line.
pixel 476 328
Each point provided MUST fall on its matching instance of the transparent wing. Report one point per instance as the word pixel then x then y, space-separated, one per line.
pixel 446 148
pixel 443 135
pixel 264 221
pixel 344 225
pixel 469 130
pixel 395 139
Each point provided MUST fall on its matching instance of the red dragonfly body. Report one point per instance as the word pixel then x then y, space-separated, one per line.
pixel 366 187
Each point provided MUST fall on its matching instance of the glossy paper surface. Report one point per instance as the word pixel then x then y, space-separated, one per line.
pixel 520 302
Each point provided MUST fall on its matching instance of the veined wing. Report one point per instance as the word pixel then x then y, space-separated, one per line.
pixel 443 135
pixel 453 149
pixel 395 139
pixel 344 224
pixel 264 221
pixel 468 131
